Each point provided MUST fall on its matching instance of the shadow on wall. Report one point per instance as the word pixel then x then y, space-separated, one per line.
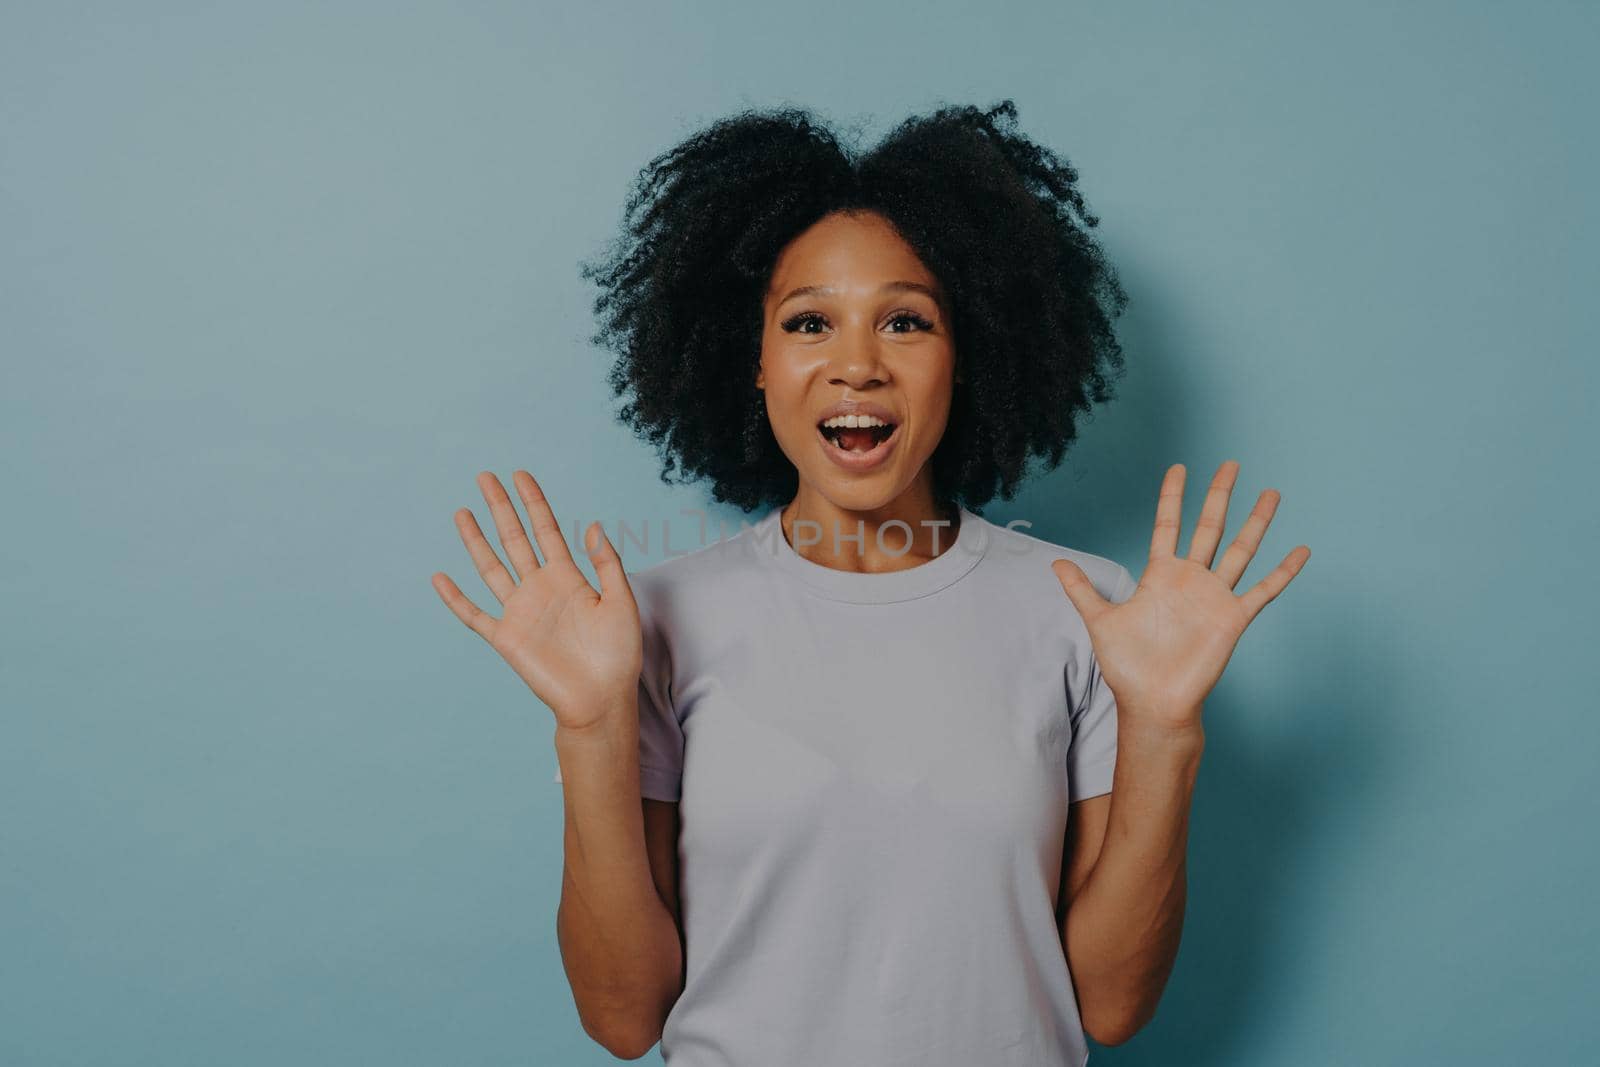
pixel 1293 772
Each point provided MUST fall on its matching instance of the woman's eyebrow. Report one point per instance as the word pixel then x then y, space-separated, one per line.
pixel 886 287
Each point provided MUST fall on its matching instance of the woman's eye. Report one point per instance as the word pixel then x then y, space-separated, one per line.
pixel 912 317
pixel 795 324
pixel 803 322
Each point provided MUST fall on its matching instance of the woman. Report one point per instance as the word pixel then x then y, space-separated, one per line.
pixel 914 787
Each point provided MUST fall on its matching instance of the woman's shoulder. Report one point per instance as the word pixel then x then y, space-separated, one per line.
pixel 1018 555
pixel 707 560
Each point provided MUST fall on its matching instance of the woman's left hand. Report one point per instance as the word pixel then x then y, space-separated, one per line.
pixel 1162 650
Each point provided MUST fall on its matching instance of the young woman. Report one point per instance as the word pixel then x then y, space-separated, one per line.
pixel 874 781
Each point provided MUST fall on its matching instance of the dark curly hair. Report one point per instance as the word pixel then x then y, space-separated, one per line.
pixel 994 216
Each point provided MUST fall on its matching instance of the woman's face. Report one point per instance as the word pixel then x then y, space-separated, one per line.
pixel 852 316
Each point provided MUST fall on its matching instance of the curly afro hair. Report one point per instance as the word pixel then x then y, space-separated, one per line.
pixel 996 217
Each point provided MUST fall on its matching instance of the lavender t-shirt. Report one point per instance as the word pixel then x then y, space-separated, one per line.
pixel 873 773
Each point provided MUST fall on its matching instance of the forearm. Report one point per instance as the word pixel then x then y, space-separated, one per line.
pixel 1122 928
pixel 619 943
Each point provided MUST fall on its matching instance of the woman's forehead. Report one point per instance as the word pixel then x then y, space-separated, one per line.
pixel 851 255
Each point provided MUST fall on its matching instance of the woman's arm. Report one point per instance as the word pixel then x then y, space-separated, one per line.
pixel 1161 651
pixel 580 651
pixel 1126 880
pixel 619 940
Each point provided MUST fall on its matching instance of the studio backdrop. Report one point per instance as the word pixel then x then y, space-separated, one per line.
pixel 278 281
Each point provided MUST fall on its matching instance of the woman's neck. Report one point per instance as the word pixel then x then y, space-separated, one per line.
pixel 870 541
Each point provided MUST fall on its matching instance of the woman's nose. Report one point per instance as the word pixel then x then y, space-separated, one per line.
pixel 855 361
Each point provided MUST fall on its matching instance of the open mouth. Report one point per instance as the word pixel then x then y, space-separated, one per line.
pixel 858 439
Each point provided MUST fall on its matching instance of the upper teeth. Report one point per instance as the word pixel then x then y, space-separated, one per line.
pixel 852 421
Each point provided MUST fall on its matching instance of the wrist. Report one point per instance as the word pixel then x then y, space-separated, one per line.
pixel 1166 727
pixel 1162 753
pixel 596 720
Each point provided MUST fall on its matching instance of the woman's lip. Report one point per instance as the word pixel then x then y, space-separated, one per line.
pixel 857 462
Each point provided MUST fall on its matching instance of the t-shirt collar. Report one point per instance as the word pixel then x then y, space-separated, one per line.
pixel 957 559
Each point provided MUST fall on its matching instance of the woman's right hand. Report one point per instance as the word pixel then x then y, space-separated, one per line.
pixel 578 650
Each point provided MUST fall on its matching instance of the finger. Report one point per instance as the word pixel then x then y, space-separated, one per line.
pixel 1213 518
pixel 1266 590
pixel 493 572
pixel 542 519
pixel 1169 514
pixel 1084 596
pixel 1239 554
pixel 508 525
pixel 607 564
pixel 477 620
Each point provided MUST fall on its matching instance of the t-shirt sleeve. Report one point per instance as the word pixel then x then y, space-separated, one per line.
pixel 1092 754
pixel 660 733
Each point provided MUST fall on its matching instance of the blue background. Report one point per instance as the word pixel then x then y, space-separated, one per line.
pixel 277 281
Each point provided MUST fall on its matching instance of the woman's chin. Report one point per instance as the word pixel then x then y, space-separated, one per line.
pixel 860 492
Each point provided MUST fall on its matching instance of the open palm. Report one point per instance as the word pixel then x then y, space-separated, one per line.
pixel 1163 649
pixel 579 650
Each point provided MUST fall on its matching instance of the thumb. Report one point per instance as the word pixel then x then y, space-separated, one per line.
pixel 1080 590
pixel 607 564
